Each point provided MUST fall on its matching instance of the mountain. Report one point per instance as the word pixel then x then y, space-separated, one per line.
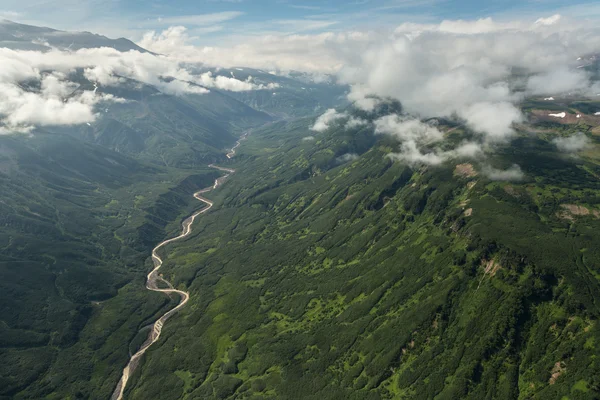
pixel 331 265
pixel 78 221
pixel 27 37
pixel 293 95
pixel 172 130
pixel 327 270
pixel 81 208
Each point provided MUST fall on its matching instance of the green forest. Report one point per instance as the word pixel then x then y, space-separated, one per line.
pixel 327 268
pixel 81 208
pixel 318 277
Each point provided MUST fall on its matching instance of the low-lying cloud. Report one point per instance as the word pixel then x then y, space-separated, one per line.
pixel 347 157
pixel 514 173
pixel 325 120
pixel 36 87
pixel 572 144
pixel 475 71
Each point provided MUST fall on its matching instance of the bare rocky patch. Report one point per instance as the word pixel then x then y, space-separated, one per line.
pixel 573 210
pixel 558 369
pixel 510 189
pixel 465 170
pixel 490 267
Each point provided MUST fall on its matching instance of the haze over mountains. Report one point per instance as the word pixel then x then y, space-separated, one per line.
pixel 415 213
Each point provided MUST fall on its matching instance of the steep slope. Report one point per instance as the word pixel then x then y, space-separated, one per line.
pixel 324 276
pixel 182 131
pixel 78 221
pixel 294 95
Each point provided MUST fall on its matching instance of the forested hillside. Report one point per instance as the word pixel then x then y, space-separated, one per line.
pixel 327 270
pixel 371 211
pixel 78 222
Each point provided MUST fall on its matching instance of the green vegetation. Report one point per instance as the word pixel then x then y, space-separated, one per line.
pixel 324 271
pixel 315 278
pixel 78 221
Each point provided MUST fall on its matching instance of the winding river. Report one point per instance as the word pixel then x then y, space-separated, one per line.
pixel 154 277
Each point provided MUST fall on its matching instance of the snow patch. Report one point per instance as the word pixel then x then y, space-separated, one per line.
pixel 559 115
pixel 549 98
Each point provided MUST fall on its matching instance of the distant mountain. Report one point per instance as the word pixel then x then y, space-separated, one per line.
pixel 27 37
pixel 295 94
pixel 187 130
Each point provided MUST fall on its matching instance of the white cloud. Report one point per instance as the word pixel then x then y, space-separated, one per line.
pixel 407 129
pixel 572 144
pixel 416 138
pixel 548 21
pixel 514 173
pixel 302 25
pixel 200 19
pixel 320 53
pixel 455 68
pixel 354 122
pixel 347 157
pixel 495 120
pixel 468 150
pixel 326 119
pixel 558 81
pixel 56 103
pixel 412 155
pixel 232 84
pixel 60 102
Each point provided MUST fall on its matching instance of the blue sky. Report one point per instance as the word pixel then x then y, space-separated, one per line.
pixel 216 20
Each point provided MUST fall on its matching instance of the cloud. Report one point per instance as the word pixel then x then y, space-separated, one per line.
pixel 548 21
pixel 354 122
pixel 56 103
pixel 407 129
pixel 514 173
pixel 36 91
pixel 320 53
pixel 416 139
pixel 558 81
pixel 572 144
pixel 308 138
pixel 200 19
pixel 412 155
pixel 347 157
pixel 483 25
pixel 494 120
pixel 468 150
pixel 232 84
pixel 326 119
pixel 302 25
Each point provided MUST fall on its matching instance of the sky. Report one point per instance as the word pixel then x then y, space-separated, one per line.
pixel 221 21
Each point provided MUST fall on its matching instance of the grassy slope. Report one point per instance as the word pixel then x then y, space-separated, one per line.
pixel 367 280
